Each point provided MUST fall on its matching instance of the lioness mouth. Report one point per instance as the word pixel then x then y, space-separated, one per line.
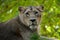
pixel 33 25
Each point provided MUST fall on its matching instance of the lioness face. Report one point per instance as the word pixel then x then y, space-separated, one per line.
pixel 31 16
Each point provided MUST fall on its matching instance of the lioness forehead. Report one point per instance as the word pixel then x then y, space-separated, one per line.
pixel 31 9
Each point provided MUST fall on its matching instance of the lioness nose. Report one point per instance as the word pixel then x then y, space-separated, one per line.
pixel 33 20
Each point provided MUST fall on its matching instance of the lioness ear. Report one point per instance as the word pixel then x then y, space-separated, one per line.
pixel 21 9
pixel 40 8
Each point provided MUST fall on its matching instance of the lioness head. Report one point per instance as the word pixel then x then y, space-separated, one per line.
pixel 31 16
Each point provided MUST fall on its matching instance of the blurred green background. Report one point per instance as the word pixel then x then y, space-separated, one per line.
pixel 50 26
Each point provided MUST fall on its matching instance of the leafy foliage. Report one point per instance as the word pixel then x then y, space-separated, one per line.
pixel 34 36
pixel 50 25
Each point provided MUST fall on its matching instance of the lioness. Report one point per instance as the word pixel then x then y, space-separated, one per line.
pixel 22 26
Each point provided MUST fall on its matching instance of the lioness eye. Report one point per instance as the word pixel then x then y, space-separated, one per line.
pixel 27 14
pixel 36 13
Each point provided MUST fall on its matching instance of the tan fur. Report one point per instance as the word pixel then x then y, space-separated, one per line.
pixel 26 20
pixel 22 26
